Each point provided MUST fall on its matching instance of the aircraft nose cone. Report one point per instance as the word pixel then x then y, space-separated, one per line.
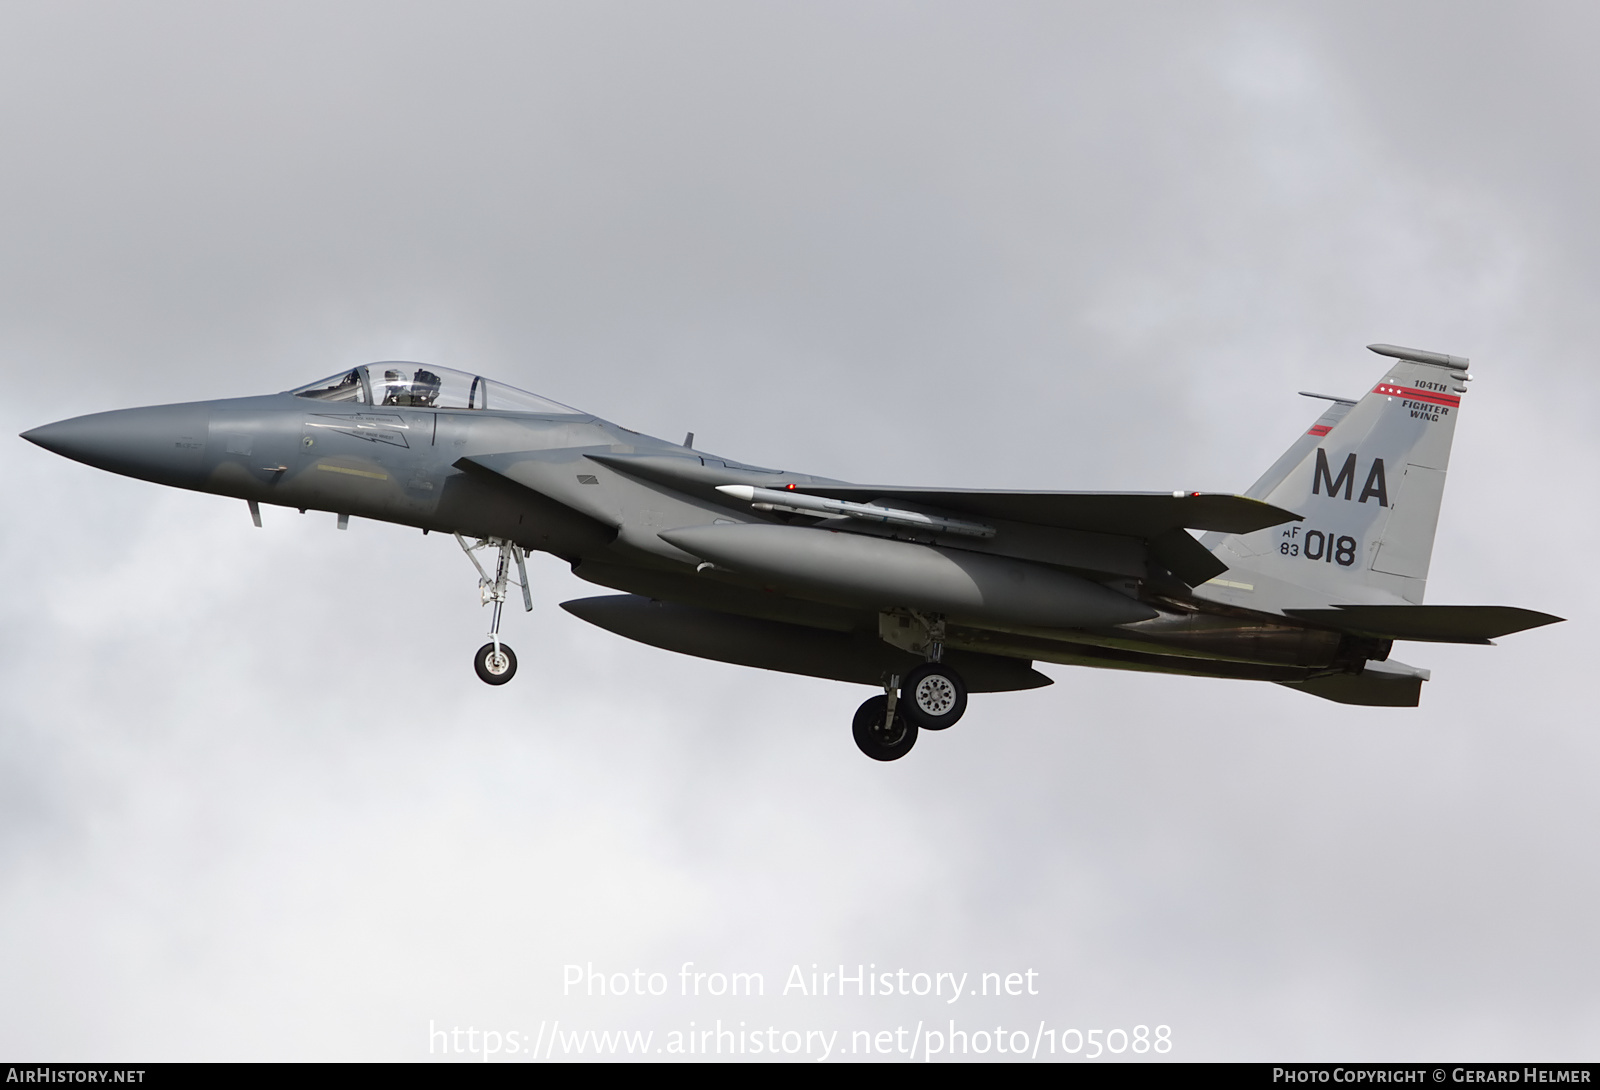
pixel 62 437
pixel 162 443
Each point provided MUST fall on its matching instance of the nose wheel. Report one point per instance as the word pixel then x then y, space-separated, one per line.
pixel 495 663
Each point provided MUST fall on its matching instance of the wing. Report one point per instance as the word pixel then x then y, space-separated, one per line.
pixel 1161 519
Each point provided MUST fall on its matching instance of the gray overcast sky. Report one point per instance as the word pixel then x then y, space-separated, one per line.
pixel 253 803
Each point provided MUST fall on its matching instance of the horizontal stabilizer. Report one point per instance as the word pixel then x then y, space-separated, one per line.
pixel 1132 514
pixel 1431 624
pixel 1381 685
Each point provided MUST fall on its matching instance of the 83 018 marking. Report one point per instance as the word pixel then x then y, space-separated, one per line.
pixel 1323 546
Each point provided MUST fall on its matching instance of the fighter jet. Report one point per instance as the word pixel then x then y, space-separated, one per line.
pixel 1307 579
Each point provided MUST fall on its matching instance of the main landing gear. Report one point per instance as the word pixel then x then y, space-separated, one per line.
pixel 495 662
pixel 934 696
pixel 930 697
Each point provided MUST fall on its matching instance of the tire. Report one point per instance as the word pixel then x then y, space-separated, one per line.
pixel 933 696
pixel 873 740
pixel 494 672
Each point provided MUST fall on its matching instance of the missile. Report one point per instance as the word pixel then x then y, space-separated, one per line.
pixel 772 499
pixel 863 571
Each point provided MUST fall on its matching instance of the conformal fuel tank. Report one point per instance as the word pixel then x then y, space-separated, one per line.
pixel 866 571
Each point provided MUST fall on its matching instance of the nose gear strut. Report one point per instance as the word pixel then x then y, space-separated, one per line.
pixel 495 662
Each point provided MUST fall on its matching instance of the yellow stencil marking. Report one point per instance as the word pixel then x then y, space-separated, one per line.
pixel 353 472
pixel 1231 583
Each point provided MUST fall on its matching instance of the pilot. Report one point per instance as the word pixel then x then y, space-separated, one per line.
pixel 424 387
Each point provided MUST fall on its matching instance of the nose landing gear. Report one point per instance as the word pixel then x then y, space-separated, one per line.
pixel 495 662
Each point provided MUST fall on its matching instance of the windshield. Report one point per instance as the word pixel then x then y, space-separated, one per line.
pixel 426 386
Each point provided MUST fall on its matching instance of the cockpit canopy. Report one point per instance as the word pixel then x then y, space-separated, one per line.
pixel 425 386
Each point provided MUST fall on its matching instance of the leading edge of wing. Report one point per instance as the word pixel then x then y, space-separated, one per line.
pixel 1133 514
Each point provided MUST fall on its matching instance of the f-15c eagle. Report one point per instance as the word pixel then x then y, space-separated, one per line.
pixel 1307 579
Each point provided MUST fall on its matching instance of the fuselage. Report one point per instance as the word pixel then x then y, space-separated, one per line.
pixel 616 504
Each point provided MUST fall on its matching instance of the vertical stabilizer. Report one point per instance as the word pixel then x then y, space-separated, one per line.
pixel 1368 479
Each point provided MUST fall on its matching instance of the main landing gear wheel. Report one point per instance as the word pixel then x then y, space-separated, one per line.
pixel 495 666
pixel 933 696
pixel 877 741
